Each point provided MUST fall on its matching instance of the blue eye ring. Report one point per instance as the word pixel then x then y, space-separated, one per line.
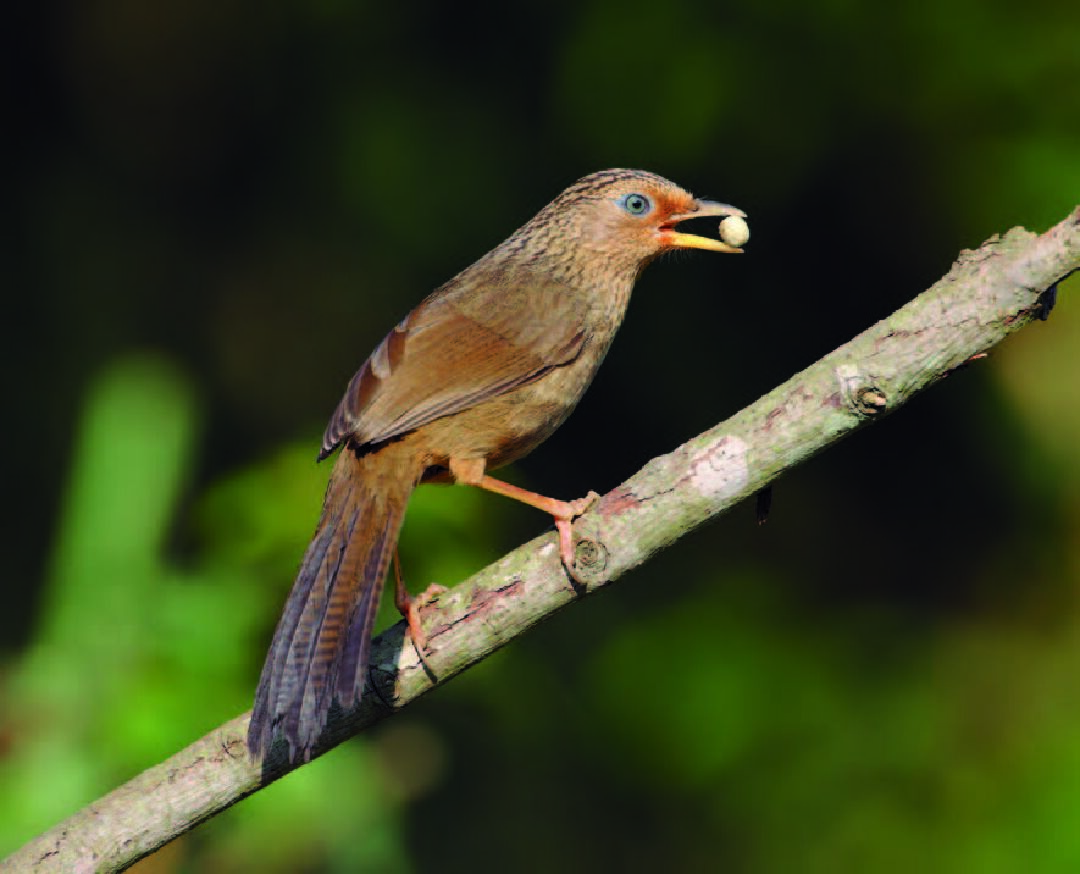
pixel 636 204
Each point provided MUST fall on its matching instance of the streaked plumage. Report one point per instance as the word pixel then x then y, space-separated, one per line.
pixel 478 374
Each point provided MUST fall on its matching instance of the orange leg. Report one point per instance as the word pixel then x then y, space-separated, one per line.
pixel 471 472
pixel 409 607
pixel 564 512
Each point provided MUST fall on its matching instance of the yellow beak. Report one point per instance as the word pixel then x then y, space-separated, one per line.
pixel 702 209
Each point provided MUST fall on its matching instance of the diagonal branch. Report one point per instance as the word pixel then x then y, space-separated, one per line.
pixel 989 293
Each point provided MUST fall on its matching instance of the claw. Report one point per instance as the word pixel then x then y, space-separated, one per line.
pixel 564 522
pixel 413 605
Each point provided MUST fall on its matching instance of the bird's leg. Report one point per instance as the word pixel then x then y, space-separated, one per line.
pixel 409 607
pixel 471 472
pixel 564 512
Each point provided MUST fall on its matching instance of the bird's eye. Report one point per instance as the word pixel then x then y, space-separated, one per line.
pixel 636 204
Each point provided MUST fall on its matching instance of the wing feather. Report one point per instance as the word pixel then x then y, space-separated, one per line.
pixel 464 344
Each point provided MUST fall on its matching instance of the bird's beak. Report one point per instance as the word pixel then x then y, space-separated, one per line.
pixel 701 209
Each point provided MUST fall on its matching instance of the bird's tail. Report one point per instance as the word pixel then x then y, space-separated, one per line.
pixel 320 649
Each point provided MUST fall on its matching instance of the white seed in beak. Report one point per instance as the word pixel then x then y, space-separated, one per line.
pixel 734 230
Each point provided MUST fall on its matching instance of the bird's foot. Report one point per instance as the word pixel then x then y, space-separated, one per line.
pixel 409 606
pixel 413 604
pixel 565 514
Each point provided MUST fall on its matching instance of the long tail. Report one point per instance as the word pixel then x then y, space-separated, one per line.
pixel 320 649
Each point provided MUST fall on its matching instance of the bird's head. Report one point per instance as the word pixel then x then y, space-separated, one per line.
pixel 624 218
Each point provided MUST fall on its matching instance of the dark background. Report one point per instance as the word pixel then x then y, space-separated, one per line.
pixel 214 210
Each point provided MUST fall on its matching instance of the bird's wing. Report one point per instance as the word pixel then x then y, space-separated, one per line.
pixel 469 341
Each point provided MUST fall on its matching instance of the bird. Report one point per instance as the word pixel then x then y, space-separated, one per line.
pixel 476 376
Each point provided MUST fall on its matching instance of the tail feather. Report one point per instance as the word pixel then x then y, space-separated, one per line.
pixel 321 647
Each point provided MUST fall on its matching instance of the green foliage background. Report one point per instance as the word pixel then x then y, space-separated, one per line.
pixel 218 208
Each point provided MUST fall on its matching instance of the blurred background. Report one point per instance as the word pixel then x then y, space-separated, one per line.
pixel 215 210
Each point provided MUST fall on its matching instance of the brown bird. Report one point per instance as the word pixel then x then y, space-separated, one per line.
pixel 475 377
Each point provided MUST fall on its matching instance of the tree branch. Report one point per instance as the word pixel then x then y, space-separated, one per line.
pixel 988 294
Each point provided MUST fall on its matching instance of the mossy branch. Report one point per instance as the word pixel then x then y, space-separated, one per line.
pixel 989 293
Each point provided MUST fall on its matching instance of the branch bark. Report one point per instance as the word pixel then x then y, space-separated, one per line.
pixel 989 293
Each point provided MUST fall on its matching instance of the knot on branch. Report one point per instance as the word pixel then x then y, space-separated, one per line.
pixel 590 560
pixel 863 393
pixel 870 400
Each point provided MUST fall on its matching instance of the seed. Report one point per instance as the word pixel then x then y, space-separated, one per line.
pixel 734 230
